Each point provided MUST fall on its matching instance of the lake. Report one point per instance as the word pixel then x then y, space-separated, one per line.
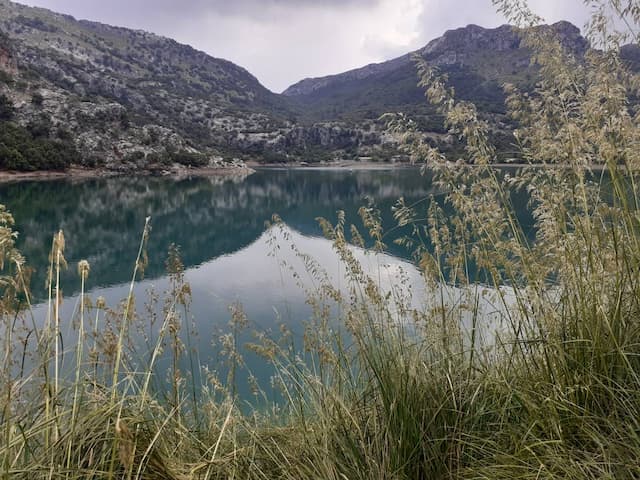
pixel 230 255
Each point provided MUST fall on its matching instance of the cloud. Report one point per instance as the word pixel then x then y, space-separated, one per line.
pixel 149 9
pixel 246 7
pixel 437 17
pixel 395 31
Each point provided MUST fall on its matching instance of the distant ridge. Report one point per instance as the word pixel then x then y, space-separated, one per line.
pixel 486 57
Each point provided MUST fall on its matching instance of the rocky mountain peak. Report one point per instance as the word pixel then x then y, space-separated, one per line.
pixel 457 46
pixel 473 37
pixel 454 47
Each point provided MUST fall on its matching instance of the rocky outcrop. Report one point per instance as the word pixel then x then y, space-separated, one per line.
pixel 7 61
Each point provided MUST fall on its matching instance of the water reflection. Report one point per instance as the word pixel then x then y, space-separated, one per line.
pixel 270 295
pixel 207 217
pixel 220 226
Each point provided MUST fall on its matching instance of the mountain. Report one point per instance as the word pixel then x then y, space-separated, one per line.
pixel 80 92
pixel 476 60
pixel 126 94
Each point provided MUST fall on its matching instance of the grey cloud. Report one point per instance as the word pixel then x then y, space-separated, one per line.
pixel 139 9
pixel 381 49
pixel 438 17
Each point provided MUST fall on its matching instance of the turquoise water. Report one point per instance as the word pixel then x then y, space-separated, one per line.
pixel 208 218
pixel 220 227
pixel 229 254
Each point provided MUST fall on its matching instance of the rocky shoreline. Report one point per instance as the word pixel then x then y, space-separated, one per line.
pixel 336 165
pixel 84 173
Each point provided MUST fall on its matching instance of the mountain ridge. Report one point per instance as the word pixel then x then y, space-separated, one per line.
pixel 130 100
pixel 456 47
pixel 308 85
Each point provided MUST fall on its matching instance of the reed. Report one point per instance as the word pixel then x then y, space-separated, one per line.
pixel 548 386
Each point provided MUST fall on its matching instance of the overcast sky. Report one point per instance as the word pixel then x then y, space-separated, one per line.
pixel 283 41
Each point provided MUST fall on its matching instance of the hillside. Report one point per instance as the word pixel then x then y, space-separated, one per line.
pixel 124 94
pixel 79 92
pixel 477 61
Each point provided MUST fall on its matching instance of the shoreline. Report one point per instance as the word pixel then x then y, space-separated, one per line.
pixel 340 165
pixel 369 165
pixel 75 173
pixel 249 167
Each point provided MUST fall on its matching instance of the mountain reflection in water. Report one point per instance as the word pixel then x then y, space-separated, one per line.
pixel 219 225
pixel 102 219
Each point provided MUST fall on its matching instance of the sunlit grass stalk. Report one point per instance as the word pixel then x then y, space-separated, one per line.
pixel 216 446
pixel 127 311
pixel 120 344
pixel 149 369
pixel 100 305
pixel 50 337
pixel 83 271
pixel 8 387
pixel 59 245
pixel 195 373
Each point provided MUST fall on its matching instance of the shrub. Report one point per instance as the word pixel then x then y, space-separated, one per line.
pixel 6 108
pixel 193 159
pixel 27 150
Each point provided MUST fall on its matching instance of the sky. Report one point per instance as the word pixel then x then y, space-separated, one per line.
pixel 284 41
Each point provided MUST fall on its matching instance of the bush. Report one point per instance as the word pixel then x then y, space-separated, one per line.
pixel 25 150
pixel 184 157
pixel 6 108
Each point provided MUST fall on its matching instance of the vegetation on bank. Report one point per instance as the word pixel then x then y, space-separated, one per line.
pixel 550 391
pixel 40 146
pixel 32 147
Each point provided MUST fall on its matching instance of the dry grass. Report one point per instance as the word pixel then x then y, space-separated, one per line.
pixel 553 393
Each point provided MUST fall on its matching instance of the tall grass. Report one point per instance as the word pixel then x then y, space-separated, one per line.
pixel 380 387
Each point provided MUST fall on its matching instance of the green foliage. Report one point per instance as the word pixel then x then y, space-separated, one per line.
pixel 7 110
pixel 184 157
pixel 41 127
pixel 273 157
pixel 5 77
pixel 30 149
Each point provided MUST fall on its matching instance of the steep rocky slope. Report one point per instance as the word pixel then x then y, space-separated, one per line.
pixel 126 96
pixel 131 100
